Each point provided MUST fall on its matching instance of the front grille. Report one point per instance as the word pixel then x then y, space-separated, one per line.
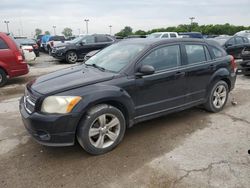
pixel 29 101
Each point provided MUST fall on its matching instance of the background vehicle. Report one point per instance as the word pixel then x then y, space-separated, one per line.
pixel 44 40
pixel 126 83
pixel 163 35
pixel 76 49
pixel 197 35
pixel 12 62
pixel 39 41
pixel 244 65
pixel 29 54
pixel 53 41
pixel 245 33
pixel 233 45
pixel 28 42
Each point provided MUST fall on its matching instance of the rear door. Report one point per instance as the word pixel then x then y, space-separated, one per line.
pixel 199 67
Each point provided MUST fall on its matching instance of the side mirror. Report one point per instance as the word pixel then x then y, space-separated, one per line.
pixel 146 70
pixel 81 43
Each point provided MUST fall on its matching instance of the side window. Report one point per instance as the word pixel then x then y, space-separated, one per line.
pixel 89 40
pixel 172 35
pixel 109 39
pixel 165 35
pixel 195 53
pixel 101 38
pixel 163 58
pixel 239 40
pixel 217 53
pixel 3 45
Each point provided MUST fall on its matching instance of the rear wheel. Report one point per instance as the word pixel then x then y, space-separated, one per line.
pixel 71 57
pixel 218 96
pixel 3 78
pixel 101 130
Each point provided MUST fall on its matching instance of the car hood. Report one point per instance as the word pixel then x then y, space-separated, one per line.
pixel 69 78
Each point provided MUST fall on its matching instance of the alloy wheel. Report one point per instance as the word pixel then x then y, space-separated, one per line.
pixel 104 131
pixel 219 96
pixel 72 57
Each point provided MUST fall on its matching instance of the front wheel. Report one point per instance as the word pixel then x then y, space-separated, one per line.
pixel 71 57
pixel 218 96
pixel 101 130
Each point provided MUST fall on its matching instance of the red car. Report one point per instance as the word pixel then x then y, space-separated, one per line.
pixel 12 62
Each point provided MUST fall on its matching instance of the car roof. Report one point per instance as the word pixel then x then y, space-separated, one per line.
pixel 156 41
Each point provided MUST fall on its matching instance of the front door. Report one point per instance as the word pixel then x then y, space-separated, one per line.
pixel 165 89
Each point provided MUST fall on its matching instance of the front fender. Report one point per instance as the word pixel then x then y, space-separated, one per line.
pixel 98 94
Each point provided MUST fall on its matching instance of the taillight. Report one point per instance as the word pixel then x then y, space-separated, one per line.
pixel 19 56
pixel 233 64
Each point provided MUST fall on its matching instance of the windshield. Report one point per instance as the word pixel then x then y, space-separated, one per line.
pixel 154 35
pixel 116 56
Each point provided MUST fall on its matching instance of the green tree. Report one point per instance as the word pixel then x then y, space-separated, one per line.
pixel 38 32
pixel 140 32
pixel 47 33
pixel 125 32
pixel 67 32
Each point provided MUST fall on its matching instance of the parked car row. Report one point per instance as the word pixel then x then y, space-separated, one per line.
pixel 76 49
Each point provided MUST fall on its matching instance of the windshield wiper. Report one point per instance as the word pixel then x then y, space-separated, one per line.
pixel 96 66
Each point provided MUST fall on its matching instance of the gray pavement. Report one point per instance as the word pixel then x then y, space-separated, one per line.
pixel 192 148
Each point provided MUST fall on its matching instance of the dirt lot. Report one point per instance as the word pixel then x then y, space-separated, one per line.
pixel 192 148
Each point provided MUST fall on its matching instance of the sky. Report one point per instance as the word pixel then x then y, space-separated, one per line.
pixel 27 15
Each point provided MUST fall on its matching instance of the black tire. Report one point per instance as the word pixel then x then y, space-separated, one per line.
pixel 3 78
pixel 90 120
pixel 209 105
pixel 69 57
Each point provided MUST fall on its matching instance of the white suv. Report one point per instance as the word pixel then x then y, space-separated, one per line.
pixel 164 35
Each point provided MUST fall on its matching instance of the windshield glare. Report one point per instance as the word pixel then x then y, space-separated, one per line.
pixel 116 56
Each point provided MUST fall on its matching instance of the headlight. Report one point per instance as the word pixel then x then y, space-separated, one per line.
pixel 61 47
pixel 59 104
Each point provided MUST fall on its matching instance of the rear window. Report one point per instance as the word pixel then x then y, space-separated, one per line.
pixel 3 45
pixel 57 38
pixel 102 38
pixel 217 53
pixel 195 53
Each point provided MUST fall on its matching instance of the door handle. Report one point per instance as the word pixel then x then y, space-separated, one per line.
pixel 212 67
pixel 180 74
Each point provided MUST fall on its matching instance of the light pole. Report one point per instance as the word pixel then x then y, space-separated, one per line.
pixel 54 27
pixel 7 25
pixel 87 26
pixel 191 19
pixel 110 29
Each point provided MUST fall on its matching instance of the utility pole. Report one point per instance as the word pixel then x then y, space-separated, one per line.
pixel 191 19
pixel 110 29
pixel 54 27
pixel 87 27
pixel 7 25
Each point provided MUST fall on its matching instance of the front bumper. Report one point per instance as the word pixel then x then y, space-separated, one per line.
pixel 58 54
pixel 50 129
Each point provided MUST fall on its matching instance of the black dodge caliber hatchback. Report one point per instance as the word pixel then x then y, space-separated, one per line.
pixel 125 83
